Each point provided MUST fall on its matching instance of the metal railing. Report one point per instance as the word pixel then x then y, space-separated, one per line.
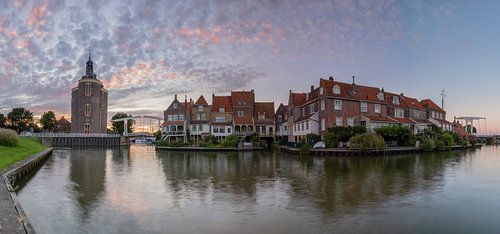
pixel 51 134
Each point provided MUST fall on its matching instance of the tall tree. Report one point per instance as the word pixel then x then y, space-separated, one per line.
pixel 118 126
pixel 3 121
pixel 48 120
pixel 20 119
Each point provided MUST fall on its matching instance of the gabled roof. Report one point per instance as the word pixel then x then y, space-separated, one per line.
pixel 264 107
pixel 201 101
pixel 242 97
pixel 221 101
pixel 298 98
pixel 350 91
pixel 243 120
pixel 413 103
pixel 429 104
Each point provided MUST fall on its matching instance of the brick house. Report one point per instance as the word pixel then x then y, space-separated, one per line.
pixel 176 121
pixel 436 115
pixel 243 104
pixel 337 103
pixel 222 117
pixel 200 119
pixel 63 126
pixel 264 119
pixel 281 119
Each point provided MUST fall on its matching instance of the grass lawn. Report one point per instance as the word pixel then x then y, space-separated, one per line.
pixel 27 147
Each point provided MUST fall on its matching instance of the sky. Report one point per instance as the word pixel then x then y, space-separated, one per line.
pixel 147 51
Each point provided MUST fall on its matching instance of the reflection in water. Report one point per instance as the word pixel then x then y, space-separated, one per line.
pixel 140 190
pixel 87 173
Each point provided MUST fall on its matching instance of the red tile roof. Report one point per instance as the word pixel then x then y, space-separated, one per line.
pixel 221 101
pixel 242 97
pixel 267 108
pixel 243 120
pixel 413 103
pixel 298 98
pixel 187 106
pixel 428 103
pixel 381 119
pixel 201 101
pixel 365 93
pixel 403 120
pixel 422 121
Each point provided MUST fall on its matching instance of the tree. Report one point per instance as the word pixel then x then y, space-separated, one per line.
pixel 20 119
pixel 3 121
pixel 48 120
pixel 118 126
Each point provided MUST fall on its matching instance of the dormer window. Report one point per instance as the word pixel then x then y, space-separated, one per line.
pixel 336 89
pixel 262 116
pixel 222 109
pixel 380 96
pixel 395 100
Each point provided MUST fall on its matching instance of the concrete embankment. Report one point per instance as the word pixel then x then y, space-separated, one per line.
pixel 359 152
pixel 12 218
pixel 208 149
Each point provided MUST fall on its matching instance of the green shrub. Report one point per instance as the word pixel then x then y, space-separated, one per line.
pixel 440 145
pixel 367 141
pixel 161 143
pixel 331 140
pixel 401 134
pixel 447 139
pixel 428 145
pixel 345 133
pixel 230 141
pixel 210 139
pixel 312 139
pixel 8 137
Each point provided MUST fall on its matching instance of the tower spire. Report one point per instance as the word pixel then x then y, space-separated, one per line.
pixel 90 68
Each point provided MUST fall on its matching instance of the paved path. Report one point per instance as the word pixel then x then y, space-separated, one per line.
pixel 9 219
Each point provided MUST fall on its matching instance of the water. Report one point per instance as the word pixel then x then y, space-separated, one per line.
pixel 138 190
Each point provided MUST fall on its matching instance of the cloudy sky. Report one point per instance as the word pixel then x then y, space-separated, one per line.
pixel 146 51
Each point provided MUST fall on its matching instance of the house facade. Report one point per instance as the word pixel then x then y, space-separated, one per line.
pixel 222 117
pixel 176 121
pixel 281 120
pixel 336 103
pixel 264 119
pixel 200 120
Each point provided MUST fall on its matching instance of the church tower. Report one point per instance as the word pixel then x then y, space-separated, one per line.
pixel 89 103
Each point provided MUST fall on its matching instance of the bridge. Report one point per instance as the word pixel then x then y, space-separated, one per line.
pixel 76 139
pixel 143 130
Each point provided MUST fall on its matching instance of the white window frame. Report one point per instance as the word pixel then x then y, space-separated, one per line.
pixel 88 89
pixel 200 108
pixel 337 104
pixel 86 128
pixel 364 107
pixel 339 121
pixel 350 121
pixel 378 108
pixel 336 89
pixel 222 109
pixel 88 110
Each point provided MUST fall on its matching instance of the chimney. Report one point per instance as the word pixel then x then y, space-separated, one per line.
pixel 312 88
pixel 175 97
pixel 290 91
pixel 353 80
pixel 402 95
pixel 191 100
pixel 382 89
pixel 331 78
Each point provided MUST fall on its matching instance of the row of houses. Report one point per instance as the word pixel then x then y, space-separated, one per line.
pixel 332 103
pixel 237 114
pixel 335 103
